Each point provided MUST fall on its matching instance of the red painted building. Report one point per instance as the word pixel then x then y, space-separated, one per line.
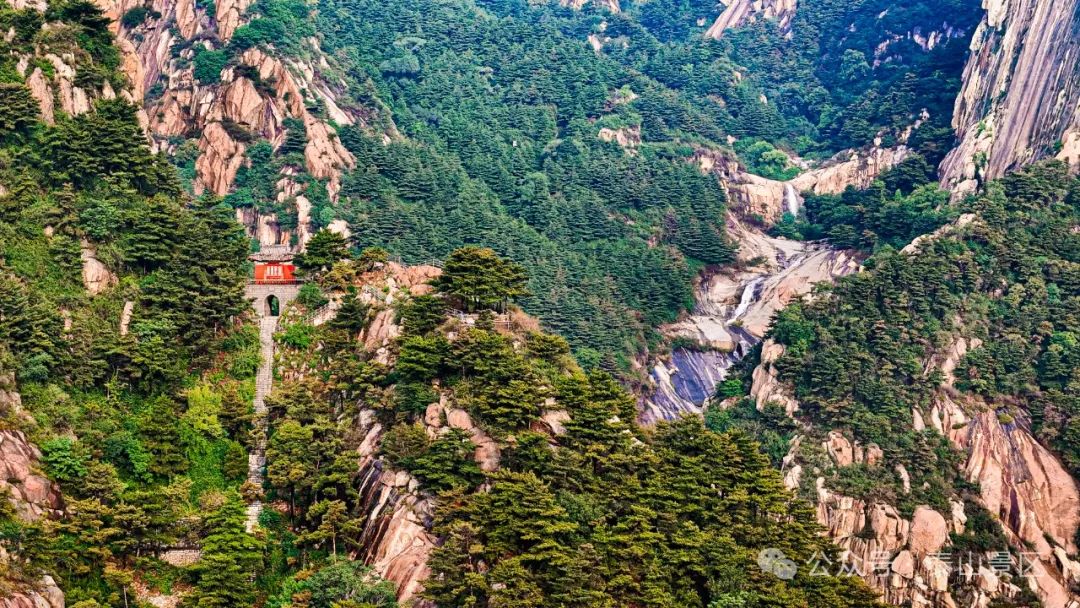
pixel 273 265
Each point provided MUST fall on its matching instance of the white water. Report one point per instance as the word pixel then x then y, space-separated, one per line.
pixel 749 294
pixel 791 199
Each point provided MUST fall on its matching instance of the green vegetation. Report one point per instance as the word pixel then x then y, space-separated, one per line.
pixel 143 417
pixel 209 64
pixel 555 523
pixel 899 206
pixel 478 278
pixel 761 158
pixel 503 152
pixel 856 355
pixel 340 584
pixel 545 491
pixel 502 120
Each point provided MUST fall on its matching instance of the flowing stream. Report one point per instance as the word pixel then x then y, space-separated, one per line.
pixel 792 200
pixel 749 294
pixel 732 312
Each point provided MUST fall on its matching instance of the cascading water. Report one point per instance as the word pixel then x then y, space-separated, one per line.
pixel 792 200
pixel 693 374
pixel 731 315
pixel 749 294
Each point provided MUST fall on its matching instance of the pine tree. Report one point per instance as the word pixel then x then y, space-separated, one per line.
pixel 230 559
pixel 325 249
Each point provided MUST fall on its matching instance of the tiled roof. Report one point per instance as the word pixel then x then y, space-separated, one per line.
pixel 273 253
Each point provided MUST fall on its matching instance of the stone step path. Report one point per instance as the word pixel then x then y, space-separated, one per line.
pixel 264 383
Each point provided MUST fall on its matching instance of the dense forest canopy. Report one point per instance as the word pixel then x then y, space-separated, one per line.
pixel 554 524
pixel 857 355
pixel 503 101
pixel 551 178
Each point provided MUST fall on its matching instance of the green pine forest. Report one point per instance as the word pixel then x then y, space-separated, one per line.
pixel 565 253
pixel 498 105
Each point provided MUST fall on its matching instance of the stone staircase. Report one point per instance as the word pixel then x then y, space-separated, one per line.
pixel 264 383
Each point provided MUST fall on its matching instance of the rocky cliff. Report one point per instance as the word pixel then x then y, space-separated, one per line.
pixel 766 199
pixel 52 73
pixel 740 12
pixel 732 312
pixel 33 497
pixel 396 539
pixel 734 306
pixel 258 96
pixel 1020 99
pixel 910 556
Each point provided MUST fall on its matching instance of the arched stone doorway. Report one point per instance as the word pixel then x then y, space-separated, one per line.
pixel 273 306
pixel 263 297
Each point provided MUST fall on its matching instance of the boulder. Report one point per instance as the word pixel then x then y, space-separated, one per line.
pixel 928 531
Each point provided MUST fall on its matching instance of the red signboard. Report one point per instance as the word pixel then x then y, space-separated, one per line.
pixel 274 272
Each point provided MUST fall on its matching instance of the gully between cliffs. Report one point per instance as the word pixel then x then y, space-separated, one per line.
pixel 733 310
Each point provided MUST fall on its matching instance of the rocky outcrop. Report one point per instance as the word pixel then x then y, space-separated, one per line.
pixel 487 453
pixel 1021 483
pixel 38 5
pixel 260 111
pixel 767 199
pixel 42 92
pixel 383 328
pixel 96 275
pixel 58 92
pixel 251 101
pixel 228 14
pixel 926 39
pixel 43 593
pixel 741 12
pixel 628 138
pixel 610 5
pixel 918 242
pixel 857 168
pixel 1024 485
pixel 221 158
pixel 766 387
pixel 732 312
pixel 395 540
pixel 34 497
pixel 907 560
pixel 1020 99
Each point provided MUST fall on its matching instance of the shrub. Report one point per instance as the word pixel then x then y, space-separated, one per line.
pixel 259 31
pixel 208 65
pixel 18 109
pixel 298 336
pixel 62 461
pixel 134 17
pixel 311 296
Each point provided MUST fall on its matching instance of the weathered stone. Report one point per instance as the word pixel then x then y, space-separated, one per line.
pixel 839 449
pixel 96 276
pixel 928 531
pixel 904 564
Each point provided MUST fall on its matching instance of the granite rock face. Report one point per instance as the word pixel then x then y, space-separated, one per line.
pixel 1020 99
pixel 34 497
pixel 254 100
pixel 741 12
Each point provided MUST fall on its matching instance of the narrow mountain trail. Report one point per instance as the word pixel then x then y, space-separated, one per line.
pixel 264 383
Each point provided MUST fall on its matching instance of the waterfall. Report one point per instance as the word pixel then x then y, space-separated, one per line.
pixel 791 199
pixel 749 294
